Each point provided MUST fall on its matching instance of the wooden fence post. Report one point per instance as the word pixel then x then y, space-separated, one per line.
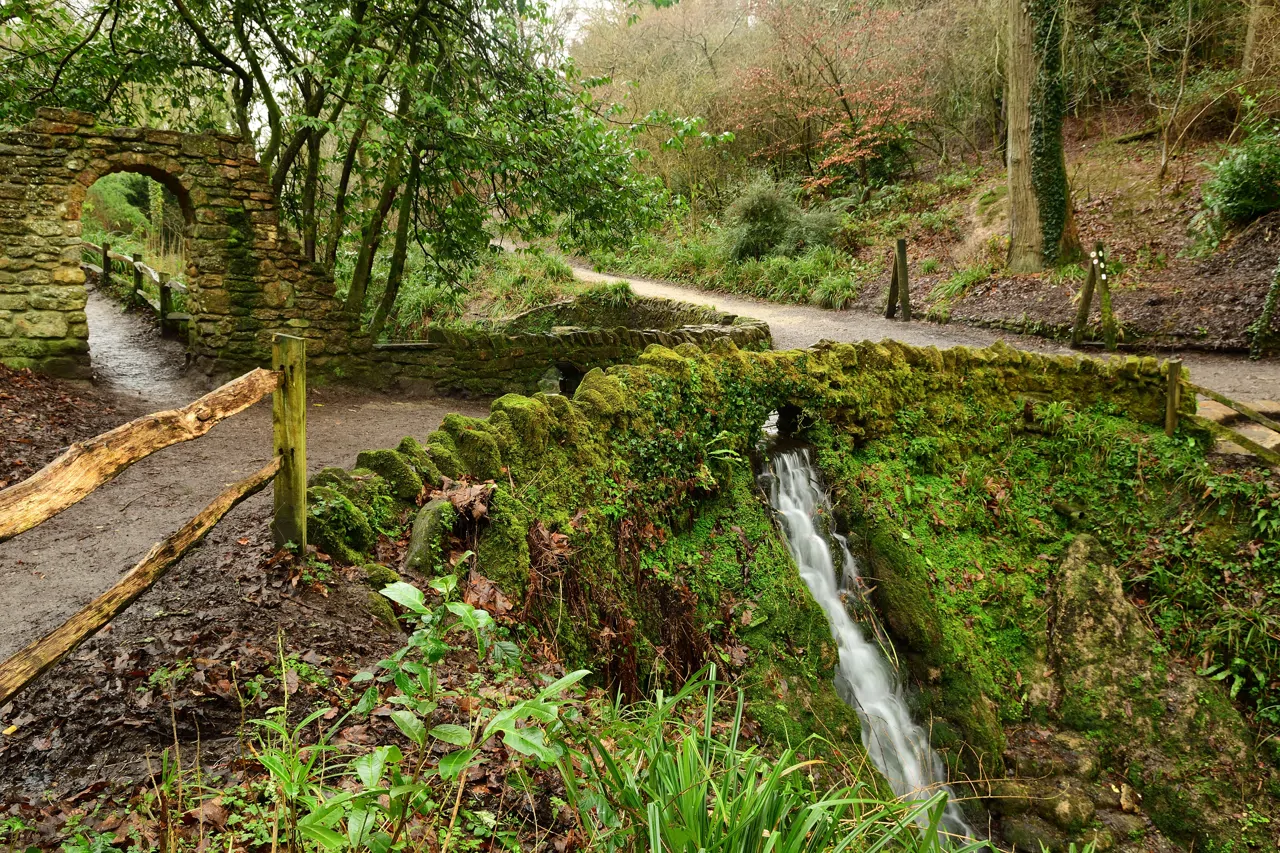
pixel 137 277
pixel 891 307
pixel 105 282
pixel 1104 304
pixel 1086 296
pixel 1173 395
pixel 289 422
pixel 166 305
pixel 903 293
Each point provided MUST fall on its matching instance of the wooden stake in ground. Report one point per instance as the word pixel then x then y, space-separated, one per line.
pixel 1086 296
pixel 106 265
pixel 1173 395
pixel 21 669
pixel 891 307
pixel 87 465
pixel 904 292
pixel 289 419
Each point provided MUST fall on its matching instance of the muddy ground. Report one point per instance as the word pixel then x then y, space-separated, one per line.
pixel 110 708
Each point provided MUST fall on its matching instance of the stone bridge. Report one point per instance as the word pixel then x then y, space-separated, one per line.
pixel 247 280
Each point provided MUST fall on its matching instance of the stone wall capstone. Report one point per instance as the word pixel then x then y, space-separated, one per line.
pixel 247 280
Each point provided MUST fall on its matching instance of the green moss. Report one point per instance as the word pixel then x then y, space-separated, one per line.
pixel 417 456
pixel 402 480
pixel 379 576
pixel 476 446
pixel 444 454
pixel 380 609
pixel 337 526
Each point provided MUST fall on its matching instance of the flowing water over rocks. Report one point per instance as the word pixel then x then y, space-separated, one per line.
pixel 897 746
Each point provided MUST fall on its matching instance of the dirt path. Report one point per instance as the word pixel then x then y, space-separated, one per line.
pixel 801 326
pixel 46 574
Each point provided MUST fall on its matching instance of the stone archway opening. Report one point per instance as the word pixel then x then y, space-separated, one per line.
pixel 247 279
pixel 146 214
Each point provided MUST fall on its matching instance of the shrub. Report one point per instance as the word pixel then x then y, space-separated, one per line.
pixel 760 219
pixel 767 220
pixel 1246 181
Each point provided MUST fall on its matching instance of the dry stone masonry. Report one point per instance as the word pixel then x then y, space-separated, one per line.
pixel 247 279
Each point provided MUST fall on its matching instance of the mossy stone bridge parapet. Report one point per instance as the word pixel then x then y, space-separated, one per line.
pixel 566 339
pixel 247 279
pixel 659 418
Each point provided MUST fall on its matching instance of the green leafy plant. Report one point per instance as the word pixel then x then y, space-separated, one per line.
pixel 670 782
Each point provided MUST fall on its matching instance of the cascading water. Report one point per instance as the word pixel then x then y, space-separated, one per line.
pixel 896 745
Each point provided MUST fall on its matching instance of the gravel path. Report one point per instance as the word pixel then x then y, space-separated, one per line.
pixel 801 326
pixel 48 573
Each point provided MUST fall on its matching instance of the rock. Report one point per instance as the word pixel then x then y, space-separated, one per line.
pixel 379 576
pixel 1185 747
pixel 380 608
pixel 1030 834
pixel 1124 826
pixel 1065 803
pixel 402 480
pixel 1009 796
pixel 411 450
pixel 336 526
pixel 426 541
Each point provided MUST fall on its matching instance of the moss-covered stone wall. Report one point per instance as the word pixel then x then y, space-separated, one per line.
pixel 571 337
pixel 626 522
pixel 248 280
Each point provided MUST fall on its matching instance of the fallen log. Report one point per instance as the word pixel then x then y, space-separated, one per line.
pixel 25 666
pixel 89 464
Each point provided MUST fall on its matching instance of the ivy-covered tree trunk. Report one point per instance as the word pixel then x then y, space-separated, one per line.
pixel 1042 224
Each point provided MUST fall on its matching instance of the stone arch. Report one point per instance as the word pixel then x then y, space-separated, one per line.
pixel 168 176
pixel 247 279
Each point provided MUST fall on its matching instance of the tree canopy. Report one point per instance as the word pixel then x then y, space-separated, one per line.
pixel 466 111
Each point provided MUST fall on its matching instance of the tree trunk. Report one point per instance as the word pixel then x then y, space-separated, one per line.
pixel 340 197
pixel 1026 252
pixel 1041 221
pixel 371 237
pixel 309 191
pixel 1261 16
pixel 405 216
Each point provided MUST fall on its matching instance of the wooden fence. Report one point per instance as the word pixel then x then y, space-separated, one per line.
pixel 87 465
pixel 132 267
pixel 1178 384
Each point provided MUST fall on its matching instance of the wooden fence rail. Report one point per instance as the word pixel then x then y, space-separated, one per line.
pixel 162 304
pixel 85 466
pixel 1177 384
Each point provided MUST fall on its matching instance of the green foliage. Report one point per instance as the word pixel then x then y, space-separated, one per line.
pixel 988 503
pixel 959 283
pixel 766 220
pixel 673 780
pixel 1246 181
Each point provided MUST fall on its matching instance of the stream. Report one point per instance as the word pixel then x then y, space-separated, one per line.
pixel 896 744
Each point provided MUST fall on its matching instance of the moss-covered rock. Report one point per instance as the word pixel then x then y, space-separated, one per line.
pixel 380 608
pixel 418 457
pixel 1178 734
pixel 429 537
pixel 402 480
pixel 379 576
pixel 336 526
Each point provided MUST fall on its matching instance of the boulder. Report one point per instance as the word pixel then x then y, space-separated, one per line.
pixel 426 542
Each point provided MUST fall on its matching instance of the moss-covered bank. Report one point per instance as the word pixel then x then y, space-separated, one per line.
pixel 627 524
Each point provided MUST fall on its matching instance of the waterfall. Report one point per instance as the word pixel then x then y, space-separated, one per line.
pixel 864 680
